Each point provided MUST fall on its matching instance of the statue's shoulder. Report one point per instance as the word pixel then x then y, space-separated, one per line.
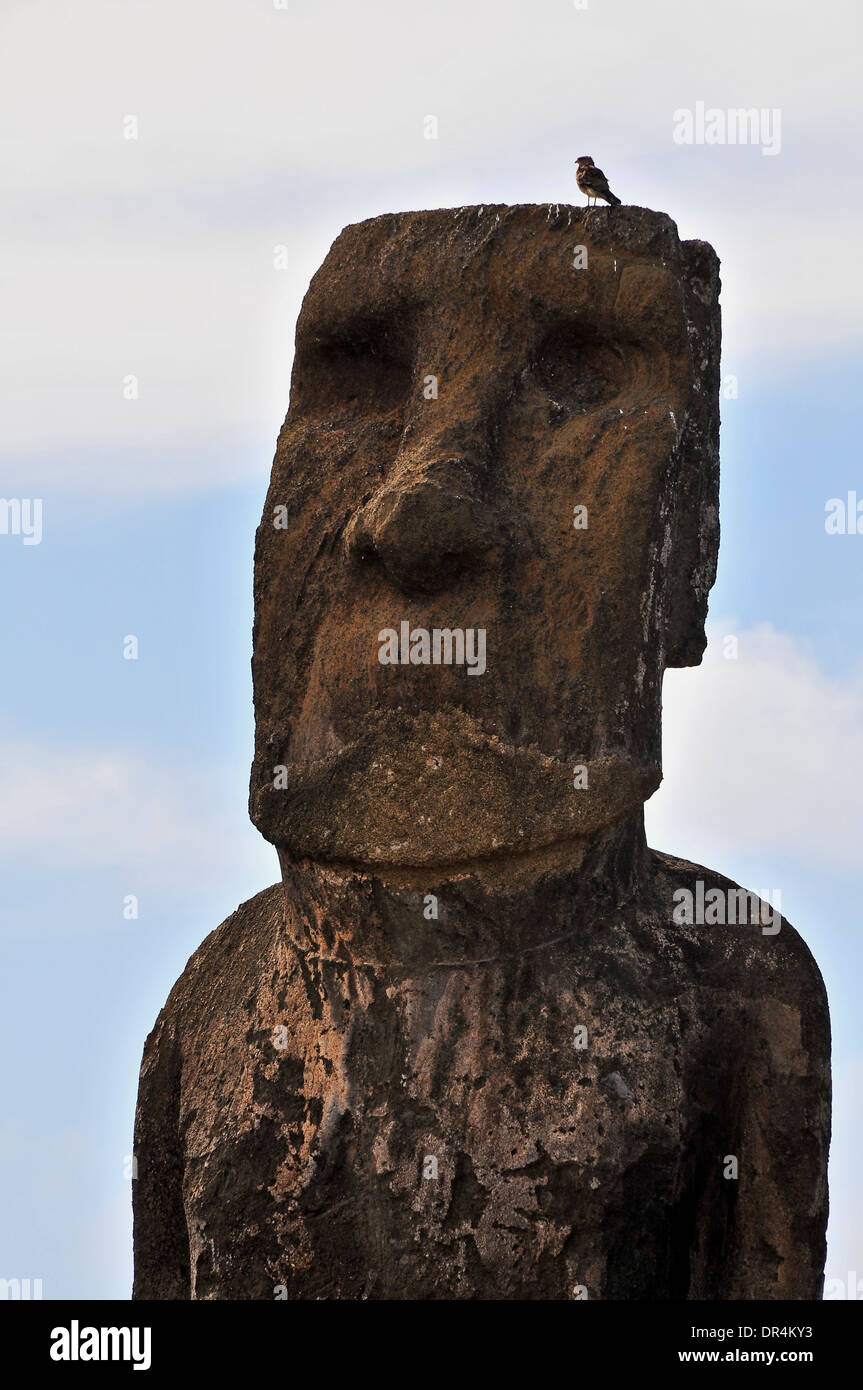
pixel 739 940
pixel 227 965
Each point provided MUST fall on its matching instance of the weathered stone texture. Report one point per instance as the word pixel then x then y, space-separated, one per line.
pixel 373 1080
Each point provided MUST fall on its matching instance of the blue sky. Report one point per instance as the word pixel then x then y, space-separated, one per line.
pixel 261 128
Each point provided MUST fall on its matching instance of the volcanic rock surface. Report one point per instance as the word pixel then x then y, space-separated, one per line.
pixel 469 1046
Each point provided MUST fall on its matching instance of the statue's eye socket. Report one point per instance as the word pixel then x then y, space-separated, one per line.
pixel 578 372
pixel 363 368
pixel 358 347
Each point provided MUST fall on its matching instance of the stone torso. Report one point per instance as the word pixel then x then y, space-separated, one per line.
pixel 548 1124
pixel 384 1143
pixel 464 1049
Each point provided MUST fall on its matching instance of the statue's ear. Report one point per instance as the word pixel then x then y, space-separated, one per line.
pixel 695 547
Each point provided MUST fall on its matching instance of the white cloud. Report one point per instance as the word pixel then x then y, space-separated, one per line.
pixel 261 126
pixel 165 822
pixel 764 751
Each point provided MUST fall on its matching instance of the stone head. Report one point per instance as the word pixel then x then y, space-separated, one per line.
pixel 492 523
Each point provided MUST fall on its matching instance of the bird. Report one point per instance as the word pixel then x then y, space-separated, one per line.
pixel 592 181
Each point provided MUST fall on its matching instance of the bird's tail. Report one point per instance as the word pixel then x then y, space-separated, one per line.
pixel 612 201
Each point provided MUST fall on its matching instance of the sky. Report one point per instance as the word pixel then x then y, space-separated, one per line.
pixel 172 174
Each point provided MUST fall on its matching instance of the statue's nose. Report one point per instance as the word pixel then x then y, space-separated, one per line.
pixel 426 526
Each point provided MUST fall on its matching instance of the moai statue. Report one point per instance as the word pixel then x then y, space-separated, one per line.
pixel 480 1041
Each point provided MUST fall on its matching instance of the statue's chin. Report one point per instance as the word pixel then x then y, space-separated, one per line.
pixel 437 790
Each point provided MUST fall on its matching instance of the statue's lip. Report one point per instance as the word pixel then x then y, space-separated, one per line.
pixel 557 854
pixel 444 795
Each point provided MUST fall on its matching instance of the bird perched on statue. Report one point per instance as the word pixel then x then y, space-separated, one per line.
pixel 592 181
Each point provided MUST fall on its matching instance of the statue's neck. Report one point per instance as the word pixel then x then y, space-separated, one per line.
pixel 479 911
